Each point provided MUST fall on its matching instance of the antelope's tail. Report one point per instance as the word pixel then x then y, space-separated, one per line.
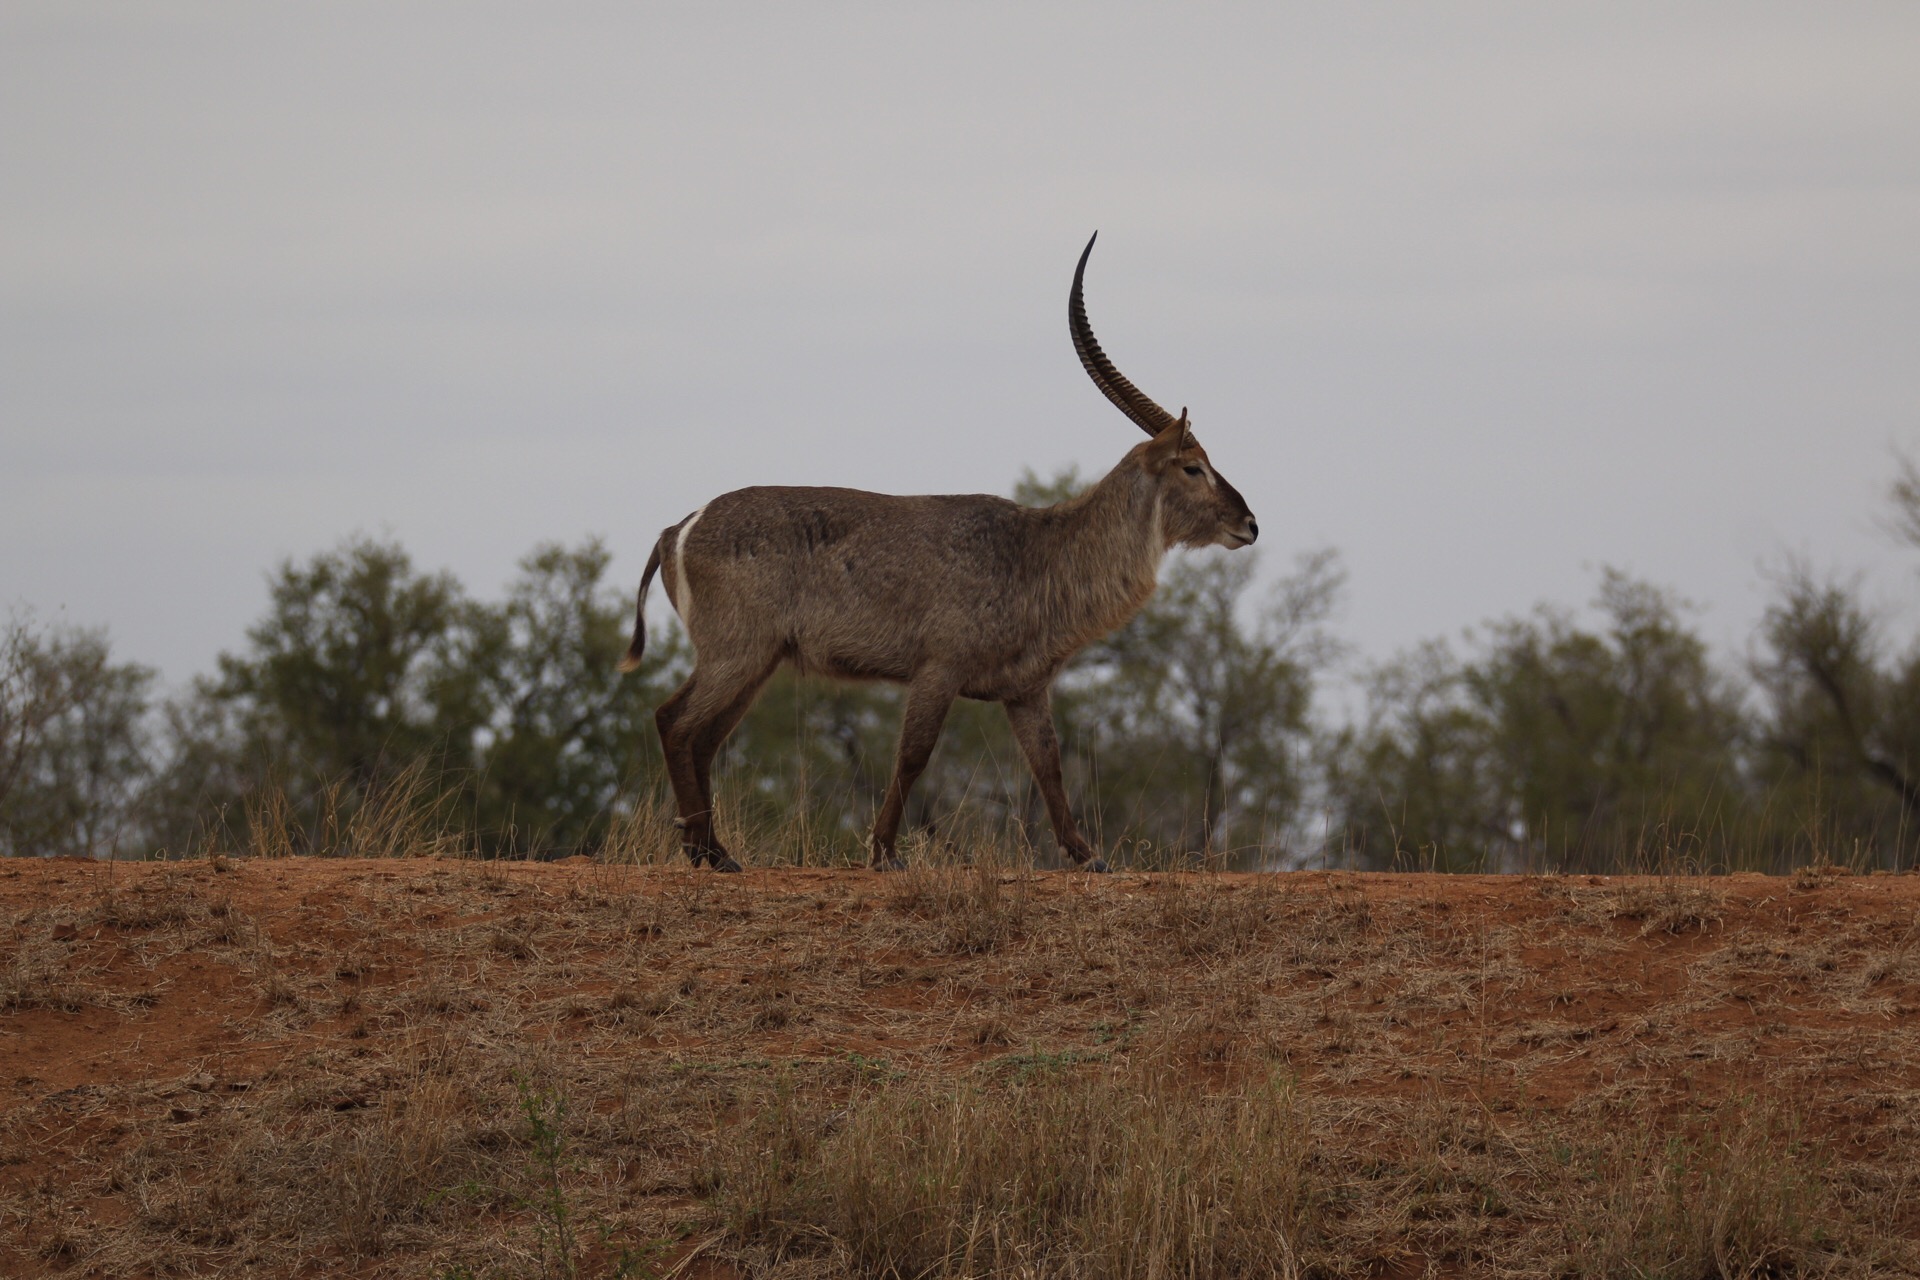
pixel 638 647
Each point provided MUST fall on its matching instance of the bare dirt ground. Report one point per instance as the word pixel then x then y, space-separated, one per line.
pixel 451 1068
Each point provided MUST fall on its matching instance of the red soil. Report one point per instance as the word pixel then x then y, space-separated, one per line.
pixel 139 1000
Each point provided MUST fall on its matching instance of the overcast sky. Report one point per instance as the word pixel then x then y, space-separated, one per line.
pixel 1485 297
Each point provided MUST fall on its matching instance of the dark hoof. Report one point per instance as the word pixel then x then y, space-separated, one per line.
pixel 889 864
pixel 1097 865
pixel 710 858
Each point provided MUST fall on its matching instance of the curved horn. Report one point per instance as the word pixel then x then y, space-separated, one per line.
pixel 1150 417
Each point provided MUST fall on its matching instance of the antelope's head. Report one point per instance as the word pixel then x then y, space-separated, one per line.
pixel 1198 508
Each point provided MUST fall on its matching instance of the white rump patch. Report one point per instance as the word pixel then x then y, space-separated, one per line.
pixel 681 599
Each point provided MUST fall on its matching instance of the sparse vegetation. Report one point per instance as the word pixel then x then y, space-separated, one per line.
pixel 1059 1172
pixel 965 1071
pixel 1736 1193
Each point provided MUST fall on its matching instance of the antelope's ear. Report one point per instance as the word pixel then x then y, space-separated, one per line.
pixel 1165 447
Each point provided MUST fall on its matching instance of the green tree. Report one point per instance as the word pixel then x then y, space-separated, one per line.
pixel 1904 495
pixel 203 775
pixel 362 666
pixel 1611 740
pixel 1841 737
pixel 510 719
pixel 72 740
pixel 1417 780
pixel 361 681
pixel 1195 715
pixel 563 731
pixel 1554 746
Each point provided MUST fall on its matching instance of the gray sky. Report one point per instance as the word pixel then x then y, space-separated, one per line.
pixel 1483 296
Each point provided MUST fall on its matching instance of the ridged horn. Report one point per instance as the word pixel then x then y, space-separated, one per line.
pixel 1150 417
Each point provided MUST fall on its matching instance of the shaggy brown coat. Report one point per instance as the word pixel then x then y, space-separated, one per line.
pixel 964 595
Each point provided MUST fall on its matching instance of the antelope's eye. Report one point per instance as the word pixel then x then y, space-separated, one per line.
pixel 1192 471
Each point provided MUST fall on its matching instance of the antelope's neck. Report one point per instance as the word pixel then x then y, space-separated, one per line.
pixel 1105 561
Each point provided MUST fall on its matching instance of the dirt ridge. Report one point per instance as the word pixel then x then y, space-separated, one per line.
pixel 156 1018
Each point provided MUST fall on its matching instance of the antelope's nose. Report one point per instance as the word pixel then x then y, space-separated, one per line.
pixel 1253 528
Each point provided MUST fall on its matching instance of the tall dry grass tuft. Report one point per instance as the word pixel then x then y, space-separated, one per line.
pixel 644 834
pixel 341 1164
pixel 968 907
pixel 1205 915
pixel 1108 1173
pixel 1668 905
pixel 409 815
pixel 38 975
pixel 1734 1195
pixel 795 835
pixel 272 829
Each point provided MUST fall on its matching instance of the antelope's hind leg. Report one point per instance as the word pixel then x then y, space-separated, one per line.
pixel 928 701
pixel 693 724
pixel 1032 721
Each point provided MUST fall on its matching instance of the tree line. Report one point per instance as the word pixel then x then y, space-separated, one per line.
pixel 376 702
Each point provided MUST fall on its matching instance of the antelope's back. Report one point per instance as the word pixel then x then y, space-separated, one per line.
pixel 851 583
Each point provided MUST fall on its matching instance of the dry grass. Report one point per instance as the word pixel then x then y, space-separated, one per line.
pixel 1108 1173
pixel 1667 905
pixel 436 1067
pixel 1135 1170
pixel 295 1166
pixel 407 815
pixel 1733 1194
pixel 966 909
pixel 35 977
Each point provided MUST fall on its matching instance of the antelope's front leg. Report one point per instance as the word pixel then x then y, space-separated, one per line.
pixel 1032 721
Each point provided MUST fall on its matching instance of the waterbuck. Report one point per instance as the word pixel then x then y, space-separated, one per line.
pixel 953 596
